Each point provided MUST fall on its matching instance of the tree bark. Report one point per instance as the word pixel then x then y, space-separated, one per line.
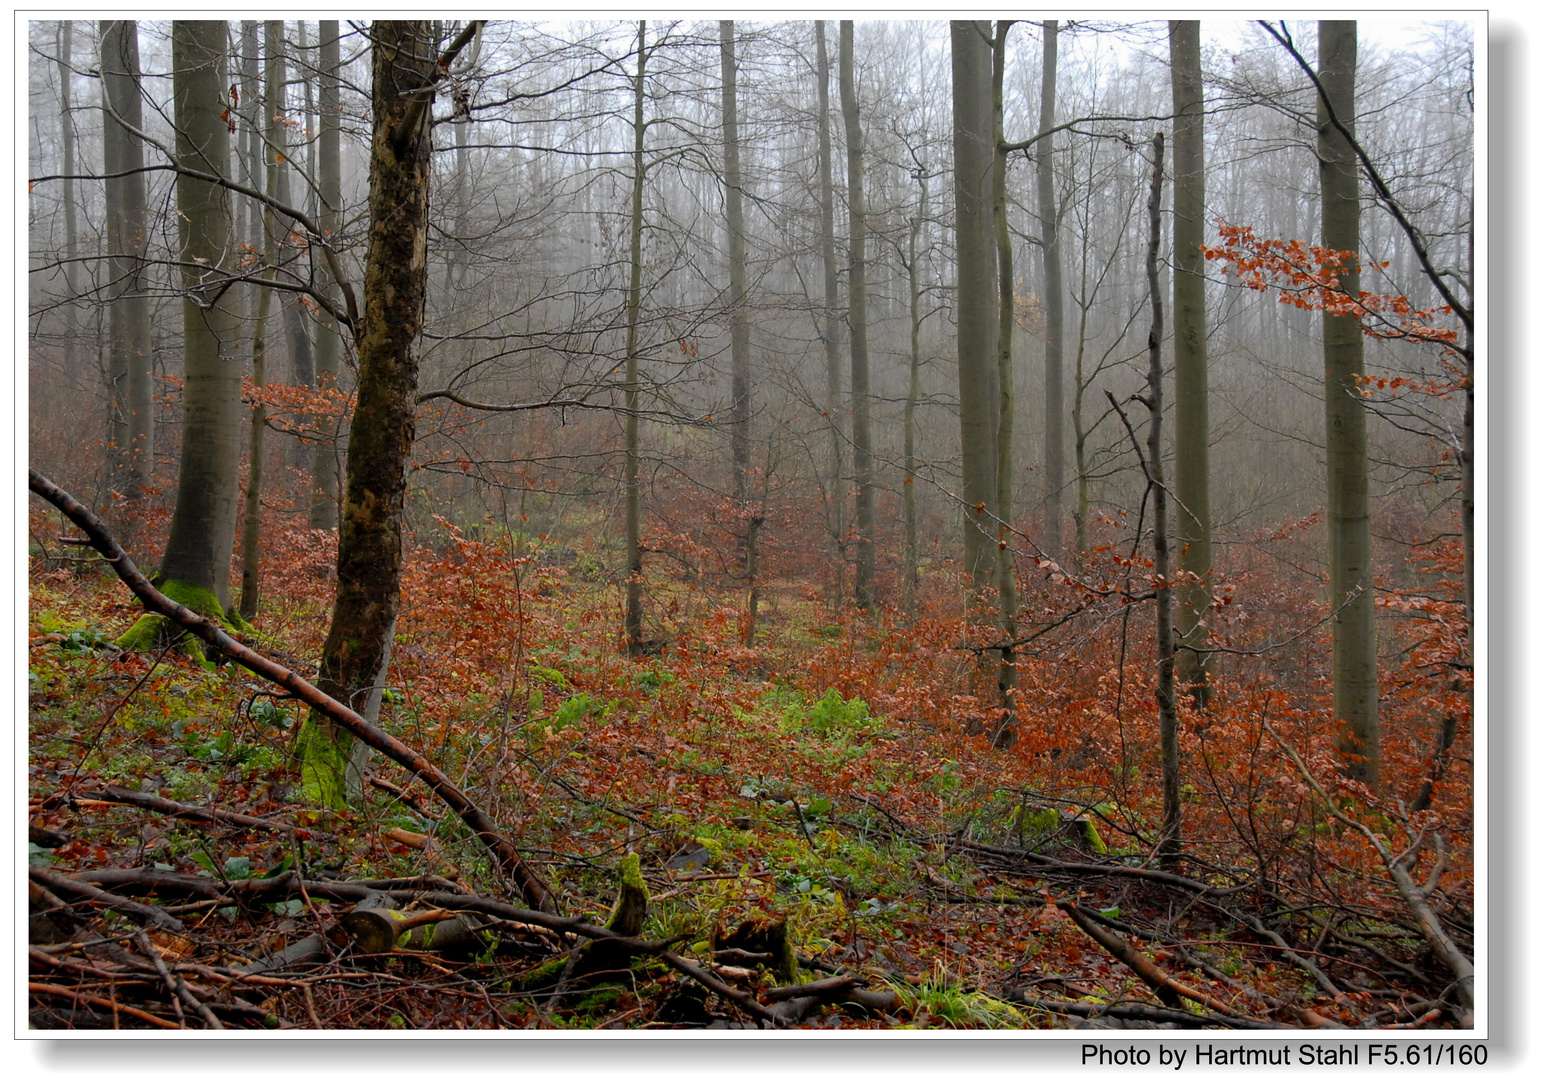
pixel 1194 518
pixel 829 322
pixel 1005 734
pixel 198 549
pixel 72 275
pixel 976 315
pixel 910 409
pixel 129 341
pixel 325 451
pixel 359 642
pixel 1355 686
pixel 633 609
pixel 740 326
pixel 1052 299
pixel 1165 688
pixel 858 327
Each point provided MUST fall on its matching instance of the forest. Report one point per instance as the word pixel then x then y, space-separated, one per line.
pixel 751 525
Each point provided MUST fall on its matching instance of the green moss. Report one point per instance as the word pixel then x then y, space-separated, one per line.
pixel 324 766
pixel 154 631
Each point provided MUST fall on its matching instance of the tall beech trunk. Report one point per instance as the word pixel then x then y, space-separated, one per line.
pixel 129 341
pixel 359 641
pixel 858 328
pixel 330 345
pixel 830 344
pixel 1194 516
pixel 1052 301
pixel 1165 688
pixel 197 562
pixel 740 327
pixel 633 598
pixel 971 72
pixel 1355 687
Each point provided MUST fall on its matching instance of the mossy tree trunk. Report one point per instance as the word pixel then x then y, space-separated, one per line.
pixel 1006 733
pixel 359 641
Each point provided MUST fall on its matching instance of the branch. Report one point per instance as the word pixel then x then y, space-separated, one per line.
pixel 1419 246
pixel 481 825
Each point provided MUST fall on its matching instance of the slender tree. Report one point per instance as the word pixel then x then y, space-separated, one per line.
pixel 64 38
pixel 330 344
pixel 740 327
pixel 633 602
pixel 358 648
pixel 1355 687
pixel 971 71
pixel 830 344
pixel 1052 293
pixel 129 342
pixel 1194 524
pixel 858 327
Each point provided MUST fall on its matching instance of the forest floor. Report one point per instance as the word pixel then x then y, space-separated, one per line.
pixel 822 790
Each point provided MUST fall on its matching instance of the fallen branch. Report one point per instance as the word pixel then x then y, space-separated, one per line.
pixel 125 796
pixel 532 888
pixel 1410 891
pixel 140 913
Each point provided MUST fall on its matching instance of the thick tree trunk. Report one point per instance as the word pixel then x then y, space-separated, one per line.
pixel 198 550
pixel 329 354
pixel 1165 689
pixel 633 602
pixel 359 642
pixel 858 327
pixel 830 344
pixel 1355 686
pixel 129 342
pixel 971 65
pixel 1194 518
pixel 1052 300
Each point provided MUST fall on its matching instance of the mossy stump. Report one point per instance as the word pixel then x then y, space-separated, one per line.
pixel 599 960
pixel 151 632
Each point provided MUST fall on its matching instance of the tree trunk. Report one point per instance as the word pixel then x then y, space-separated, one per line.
pixel 1005 734
pixel 910 409
pixel 858 327
pixel 1165 689
pixel 273 135
pixel 633 610
pixel 72 273
pixel 1052 301
pixel 1355 686
pixel 829 323
pixel 976 311
pixel 1194 519
pixel 130 361
pixel 197 562
pixel 329 354
pixel 740 325
pixel 359 642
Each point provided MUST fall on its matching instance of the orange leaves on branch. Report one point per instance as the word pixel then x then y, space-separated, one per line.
pixel 1309 277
